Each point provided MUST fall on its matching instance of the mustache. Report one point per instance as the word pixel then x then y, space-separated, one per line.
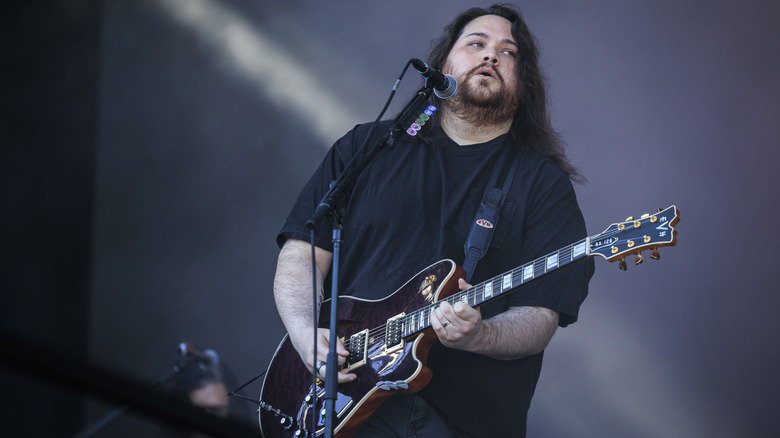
pixel 487 65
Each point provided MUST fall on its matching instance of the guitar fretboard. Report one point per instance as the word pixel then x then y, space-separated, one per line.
pixel 495 287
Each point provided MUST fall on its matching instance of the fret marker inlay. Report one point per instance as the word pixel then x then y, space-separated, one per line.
pixel 528 272
pixel 507 282
pixel 488 289
pixel 552 262
pixel 578 250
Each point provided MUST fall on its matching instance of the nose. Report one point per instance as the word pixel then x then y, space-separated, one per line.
pixel 490 56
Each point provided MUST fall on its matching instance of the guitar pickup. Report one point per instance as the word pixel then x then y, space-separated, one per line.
pixel 393 339
pixel 357 347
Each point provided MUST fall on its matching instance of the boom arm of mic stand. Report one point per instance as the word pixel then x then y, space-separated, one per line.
pixel 339 187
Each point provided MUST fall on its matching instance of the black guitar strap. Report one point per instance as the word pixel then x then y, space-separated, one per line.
pixel 486 220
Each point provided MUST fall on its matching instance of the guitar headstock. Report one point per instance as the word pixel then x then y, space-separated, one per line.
pixel 651 231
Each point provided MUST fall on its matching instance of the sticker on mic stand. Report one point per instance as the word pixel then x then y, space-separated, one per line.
pixel 420 122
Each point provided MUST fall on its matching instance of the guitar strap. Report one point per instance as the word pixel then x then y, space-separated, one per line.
pixel 486 219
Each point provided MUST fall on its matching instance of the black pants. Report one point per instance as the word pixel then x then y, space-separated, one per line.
pixel 405 416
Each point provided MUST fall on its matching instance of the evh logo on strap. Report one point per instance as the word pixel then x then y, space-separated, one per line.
pixel 484 223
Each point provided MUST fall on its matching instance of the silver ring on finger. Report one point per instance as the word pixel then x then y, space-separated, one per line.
pixel 319 365
pixel 446 323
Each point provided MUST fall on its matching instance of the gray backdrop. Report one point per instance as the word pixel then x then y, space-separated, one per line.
pixel 213 113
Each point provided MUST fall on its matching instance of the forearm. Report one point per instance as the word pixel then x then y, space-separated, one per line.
pixel 293 296
pixel 516 333
pixel 293 287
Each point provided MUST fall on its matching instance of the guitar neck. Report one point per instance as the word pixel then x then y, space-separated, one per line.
pixel 631 236
pixel 498 286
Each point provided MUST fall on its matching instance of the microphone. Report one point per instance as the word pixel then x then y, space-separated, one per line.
pixel 187 351
pixel 444 86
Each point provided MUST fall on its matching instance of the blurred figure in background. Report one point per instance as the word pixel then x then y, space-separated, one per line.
pixel 204 381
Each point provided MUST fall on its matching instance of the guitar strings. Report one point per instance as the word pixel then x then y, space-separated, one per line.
pixel 470 294
pixel 539 265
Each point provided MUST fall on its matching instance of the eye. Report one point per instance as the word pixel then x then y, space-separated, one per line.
pixel 508 53
pixel 476 44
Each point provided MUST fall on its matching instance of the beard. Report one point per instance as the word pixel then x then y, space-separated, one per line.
pixel 479 103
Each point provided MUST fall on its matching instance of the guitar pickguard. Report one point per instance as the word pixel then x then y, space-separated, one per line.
pixel 427 288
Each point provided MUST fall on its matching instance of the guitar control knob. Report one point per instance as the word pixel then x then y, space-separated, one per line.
pixel 622 265
pixel 301 434
pixel 639 259
pixel 655 254
pixel 286 423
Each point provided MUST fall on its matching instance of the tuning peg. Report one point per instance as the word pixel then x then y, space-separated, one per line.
pixel 645 216
pixel 639 259
pixel 629 219
pixel 622 265
pixel 655 255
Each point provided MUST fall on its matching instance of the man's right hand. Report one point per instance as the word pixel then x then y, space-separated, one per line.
pixel 305 348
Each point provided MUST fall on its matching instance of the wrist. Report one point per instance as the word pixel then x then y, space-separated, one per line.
pixel 480 339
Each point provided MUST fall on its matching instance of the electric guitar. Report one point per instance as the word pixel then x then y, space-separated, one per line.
pixel 389 339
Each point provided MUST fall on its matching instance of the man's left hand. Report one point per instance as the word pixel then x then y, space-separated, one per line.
pixel 458 326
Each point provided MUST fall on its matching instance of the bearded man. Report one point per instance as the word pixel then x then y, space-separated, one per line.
pixel 415 204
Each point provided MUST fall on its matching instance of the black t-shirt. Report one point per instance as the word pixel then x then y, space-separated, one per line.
pixel 412 206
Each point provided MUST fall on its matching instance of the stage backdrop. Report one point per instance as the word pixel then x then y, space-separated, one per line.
pixel 212 114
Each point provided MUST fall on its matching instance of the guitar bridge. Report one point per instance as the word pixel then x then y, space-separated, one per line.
pixel 357 347
pixel 393 339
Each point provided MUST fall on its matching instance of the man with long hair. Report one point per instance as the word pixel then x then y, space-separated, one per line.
pixel 415 204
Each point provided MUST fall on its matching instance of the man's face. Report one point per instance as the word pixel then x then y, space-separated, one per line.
pixel 483 60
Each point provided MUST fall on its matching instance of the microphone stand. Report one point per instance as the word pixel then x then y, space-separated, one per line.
pixel 333 204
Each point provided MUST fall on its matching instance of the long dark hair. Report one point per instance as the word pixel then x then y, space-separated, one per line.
pixel 531 125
